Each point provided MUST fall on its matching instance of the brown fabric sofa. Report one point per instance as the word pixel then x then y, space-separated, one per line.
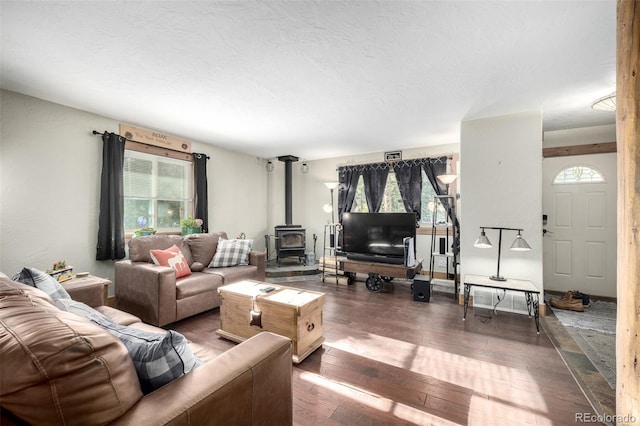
pixel 154 294
pixel 59 368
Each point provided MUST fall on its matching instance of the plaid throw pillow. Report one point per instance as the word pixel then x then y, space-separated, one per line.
pixel 158 358
pixel 231 253
pixel 42 281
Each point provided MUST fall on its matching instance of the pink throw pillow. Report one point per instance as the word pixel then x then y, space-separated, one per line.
pixel 173 258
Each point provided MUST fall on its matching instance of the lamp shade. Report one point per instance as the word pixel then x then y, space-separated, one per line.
pixel 520 244
pixel 483 241
pixel 447 179
pixel 331 185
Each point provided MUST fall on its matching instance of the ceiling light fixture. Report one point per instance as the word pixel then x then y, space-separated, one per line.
pixel 606 103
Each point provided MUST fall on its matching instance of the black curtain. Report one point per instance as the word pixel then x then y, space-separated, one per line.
pixel 111 220
pixel 348 179
pixel 433 169
pixel 409 178
pixel 200 189
pixel 375 179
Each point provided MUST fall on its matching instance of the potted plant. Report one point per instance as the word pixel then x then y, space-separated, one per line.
pixel 191 226
pixel 142 222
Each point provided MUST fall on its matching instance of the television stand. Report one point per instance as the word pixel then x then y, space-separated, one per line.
pixel 378 272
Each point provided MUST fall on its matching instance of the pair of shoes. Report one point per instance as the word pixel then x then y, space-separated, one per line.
pixel 584 297
pixel 568 303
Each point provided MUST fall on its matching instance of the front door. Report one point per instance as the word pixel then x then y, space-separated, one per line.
pixel 580 238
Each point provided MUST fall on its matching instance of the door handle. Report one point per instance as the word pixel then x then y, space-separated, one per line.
pixel 544 231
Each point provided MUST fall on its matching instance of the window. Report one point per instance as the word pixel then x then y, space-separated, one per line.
pixel 158 189
pixel 360 201
pixel 392 200
pixel 578 174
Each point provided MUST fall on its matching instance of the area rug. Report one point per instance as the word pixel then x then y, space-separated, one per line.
pixel 594 330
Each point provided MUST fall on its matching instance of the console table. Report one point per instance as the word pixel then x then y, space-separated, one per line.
pixel 378 271
pixel 524 286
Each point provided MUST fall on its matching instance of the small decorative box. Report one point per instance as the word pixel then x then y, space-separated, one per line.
pixel 62 275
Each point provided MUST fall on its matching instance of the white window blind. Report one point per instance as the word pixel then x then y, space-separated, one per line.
pixel 157 190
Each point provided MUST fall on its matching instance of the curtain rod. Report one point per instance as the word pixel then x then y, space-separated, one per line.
pixel 95 132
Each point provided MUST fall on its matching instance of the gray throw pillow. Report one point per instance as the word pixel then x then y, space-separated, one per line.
pixel 42 281
pixel 80 309
pixel 158 358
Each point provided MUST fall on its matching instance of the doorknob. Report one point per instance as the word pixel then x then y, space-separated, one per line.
pixel 544 231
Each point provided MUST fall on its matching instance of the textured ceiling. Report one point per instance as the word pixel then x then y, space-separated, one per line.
pixel 314 79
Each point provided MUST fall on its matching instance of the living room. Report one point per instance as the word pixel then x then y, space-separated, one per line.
pixel 51 162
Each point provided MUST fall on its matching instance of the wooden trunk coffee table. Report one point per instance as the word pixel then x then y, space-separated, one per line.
pixel 246 310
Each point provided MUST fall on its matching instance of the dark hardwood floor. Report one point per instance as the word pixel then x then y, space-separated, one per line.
pixel 390 360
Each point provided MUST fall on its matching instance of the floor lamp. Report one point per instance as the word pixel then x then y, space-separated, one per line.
pixel 329 208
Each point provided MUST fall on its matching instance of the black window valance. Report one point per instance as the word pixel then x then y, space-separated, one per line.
pixel 374 175
pixel 392 165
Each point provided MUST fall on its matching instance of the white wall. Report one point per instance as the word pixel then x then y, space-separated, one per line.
pixel 50 167
pixel 501 173
pixel 238 194
pixel 580 136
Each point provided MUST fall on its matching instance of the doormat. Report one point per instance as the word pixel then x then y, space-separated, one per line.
pixel 599 316
pixel 594 330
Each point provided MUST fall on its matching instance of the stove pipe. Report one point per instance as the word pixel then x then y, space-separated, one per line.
pixel 288 159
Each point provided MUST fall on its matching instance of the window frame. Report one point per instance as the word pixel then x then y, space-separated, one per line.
pixel 578 181
pixel 163 153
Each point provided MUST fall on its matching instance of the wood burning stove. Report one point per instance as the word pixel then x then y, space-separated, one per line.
pixel 290 242
pixel 290 239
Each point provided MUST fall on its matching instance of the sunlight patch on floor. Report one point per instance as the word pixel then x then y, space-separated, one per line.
pixel 484 411
pixel 482 377
pixel 375 401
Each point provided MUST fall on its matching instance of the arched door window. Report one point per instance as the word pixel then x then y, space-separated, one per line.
pixel 578 174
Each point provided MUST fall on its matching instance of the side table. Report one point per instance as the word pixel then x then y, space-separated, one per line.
pixel 76 284
pixel 531 293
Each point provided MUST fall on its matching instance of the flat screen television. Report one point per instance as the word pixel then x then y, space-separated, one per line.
pixel 377 237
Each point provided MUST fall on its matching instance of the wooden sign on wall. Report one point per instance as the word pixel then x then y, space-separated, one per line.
pixel 154 138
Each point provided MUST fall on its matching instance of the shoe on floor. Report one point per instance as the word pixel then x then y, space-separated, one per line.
pixel 568 304
pixel 568 296
pixel 584 297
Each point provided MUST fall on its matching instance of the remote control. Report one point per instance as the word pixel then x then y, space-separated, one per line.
pixel 267 289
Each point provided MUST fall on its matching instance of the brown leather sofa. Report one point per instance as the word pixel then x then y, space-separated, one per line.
pixel 153 293
pixel 59 368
